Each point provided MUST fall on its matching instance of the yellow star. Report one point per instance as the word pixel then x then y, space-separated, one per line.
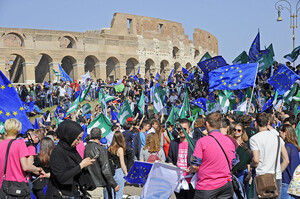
pixel 223 80
pixel 15 113
pixel 222 73
pixel 241 76
pixel 237 68
pixel 226 69
pixel 229 85
pixel 234 84
pixel 21 108
pixel 221 77
pixel 7 114
pixel 224 83
pixel 240 71
pixel 3 87
pixel 1 112
pixel 232 67
pixel 239 80
pixel 10 85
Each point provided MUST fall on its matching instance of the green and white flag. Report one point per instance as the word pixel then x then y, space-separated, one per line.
pixel 125 113
pixel 57 121
pixel 293 55
pixel 141 104
pixel 102 123
pixel 74 106
pixel 242 107
pixel 265 62
pixel 57 74
pixel 103 102
pixel 119 88
pixel 85 92
pixel 86 108
pixel 172 116
pixel 288 96
pixel 157 102
pixel 297 130
pixel 108 98
pixel 2 130
pixel 224 97
pixel 241 59
pixel 205 57
pixel 185 108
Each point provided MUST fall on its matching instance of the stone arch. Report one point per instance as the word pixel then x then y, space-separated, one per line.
pixel 13 39
pixel 131 65
pixel 111 64
pixel 68 63
pixel 149 67
pixel 175 52
pixel 188 65
pixel 164 65
pixel 177 66
pixel 42 69
pixel 90 63
pixel 14 66
pixel 67 41
pixel 197 54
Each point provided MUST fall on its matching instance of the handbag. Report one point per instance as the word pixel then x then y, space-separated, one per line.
pixel 13 189
pixel 294 186
pixel 266 184
pixel 235 184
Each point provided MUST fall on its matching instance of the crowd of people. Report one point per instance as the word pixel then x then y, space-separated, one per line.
pixel 64 161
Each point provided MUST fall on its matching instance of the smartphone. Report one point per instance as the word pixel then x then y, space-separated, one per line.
pixel 96 156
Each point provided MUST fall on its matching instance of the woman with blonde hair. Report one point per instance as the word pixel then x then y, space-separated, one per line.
pixel 287 133
pixel 152 150
pixel 17 161
pixel 116 155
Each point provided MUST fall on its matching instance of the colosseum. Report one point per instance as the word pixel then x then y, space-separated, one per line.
pixel 131 43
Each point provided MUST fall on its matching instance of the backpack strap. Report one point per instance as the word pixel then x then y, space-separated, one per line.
pixel 223 151
pixel 6 157
pixel 277 153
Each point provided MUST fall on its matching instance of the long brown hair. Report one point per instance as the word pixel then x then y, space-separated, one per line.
pixel 244 134
pixel 290 135
pixel 159 131
pixel 47 146
pixel 117 142
pixel 152 143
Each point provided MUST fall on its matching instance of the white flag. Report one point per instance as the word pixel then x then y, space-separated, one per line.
pixel 242 107
pixel 85 77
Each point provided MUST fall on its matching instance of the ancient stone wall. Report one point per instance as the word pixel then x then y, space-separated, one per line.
pixel 131 43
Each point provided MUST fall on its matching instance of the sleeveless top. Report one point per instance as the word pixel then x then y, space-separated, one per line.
pixel 115 159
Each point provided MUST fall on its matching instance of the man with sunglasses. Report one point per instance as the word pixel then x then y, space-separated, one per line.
pixel 179 154
pixel 209 160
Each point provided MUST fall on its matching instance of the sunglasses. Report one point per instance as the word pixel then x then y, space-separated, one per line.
pixel 238 130
pixel 180 129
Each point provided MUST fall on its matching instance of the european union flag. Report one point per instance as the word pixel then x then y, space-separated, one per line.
pixel 267 105
pixel 157 76
pixel 255 53
pixel 185 71
pixel 11 105
pixel 201 102
pixel 46 84
pixel 233 77
pixel 64 75
pixel 171 75
pixel 36 124
pixel 211 64
pixel 283 79
pixel 138 173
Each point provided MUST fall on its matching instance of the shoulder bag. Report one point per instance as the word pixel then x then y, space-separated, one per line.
pixel 266 184
pixel 13 189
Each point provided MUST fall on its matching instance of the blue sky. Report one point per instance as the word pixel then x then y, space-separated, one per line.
pixel 234 22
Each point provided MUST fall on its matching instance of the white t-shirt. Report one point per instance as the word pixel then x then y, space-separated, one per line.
pixel 266 143
pixel 62 92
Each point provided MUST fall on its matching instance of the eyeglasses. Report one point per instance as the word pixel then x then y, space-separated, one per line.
pixel 238 130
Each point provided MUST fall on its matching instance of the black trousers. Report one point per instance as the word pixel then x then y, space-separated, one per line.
pixel 225 192
pixel 185 194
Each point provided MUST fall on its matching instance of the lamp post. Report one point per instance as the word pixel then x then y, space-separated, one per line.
pixel 279 6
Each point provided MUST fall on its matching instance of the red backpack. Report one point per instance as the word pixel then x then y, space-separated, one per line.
pixel 153 158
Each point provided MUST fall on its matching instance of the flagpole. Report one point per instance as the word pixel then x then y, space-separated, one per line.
pixel 252 91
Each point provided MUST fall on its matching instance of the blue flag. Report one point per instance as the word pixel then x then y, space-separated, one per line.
pixel 210 65
pixel 11 105
pixel 114 116
pixel 58 110
pixel 171 75
pixel 36 124
pixel 138 71
pixel 268 104
pixel 64 76
pixel 138 173
pixel 46 84
pixel 211 97
pixel 233 77
pixel 283 79
pixel 157 76
pixel 201 102
pixel 255 53
pixel 185 71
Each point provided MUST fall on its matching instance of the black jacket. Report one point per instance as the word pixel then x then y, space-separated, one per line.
pixel 173 152
pixel 100 170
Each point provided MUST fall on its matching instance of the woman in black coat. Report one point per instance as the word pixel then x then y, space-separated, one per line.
pixel 68 175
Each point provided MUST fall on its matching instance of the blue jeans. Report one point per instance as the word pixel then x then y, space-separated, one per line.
pixel 118 177
pixel 284 194
pixel 93 94
pixel 50 100
pixel 241 176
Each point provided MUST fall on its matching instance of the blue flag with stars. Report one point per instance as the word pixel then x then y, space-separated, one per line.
pixel 255 53
pixel 201 102
pixel 11 105
pixel 233 77
pixel 267 105
pixel 64 76
pixel 138 173
pixel 211 64
pixel 283 79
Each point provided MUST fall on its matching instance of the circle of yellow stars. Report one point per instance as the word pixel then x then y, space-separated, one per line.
pixel 281 75
pixel 209 63
pixel 238 81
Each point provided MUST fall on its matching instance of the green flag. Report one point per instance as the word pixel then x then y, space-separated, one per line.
pixel 172 117
pixel 74 106
pixel 57 74
pixel 85 92
pixel 241 59
pixel 197 111
pixel 205 57
pixel 224 97
pixel 119 88
pixel 289 96
pixel 102 123
pixel 108 98
pixel 265 62
pixel 86 108
pixel 185 108
pixel 293 55
pixel 141 104
pixel 297 130
pixel 271 51
pixel 57 122
pixel 2 129
pixel 102 101
pixel 125 113
pixel 157 103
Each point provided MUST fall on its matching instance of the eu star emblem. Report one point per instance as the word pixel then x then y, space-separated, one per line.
pixel 138 173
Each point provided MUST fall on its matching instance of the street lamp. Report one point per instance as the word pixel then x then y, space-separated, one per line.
pixel 279 5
